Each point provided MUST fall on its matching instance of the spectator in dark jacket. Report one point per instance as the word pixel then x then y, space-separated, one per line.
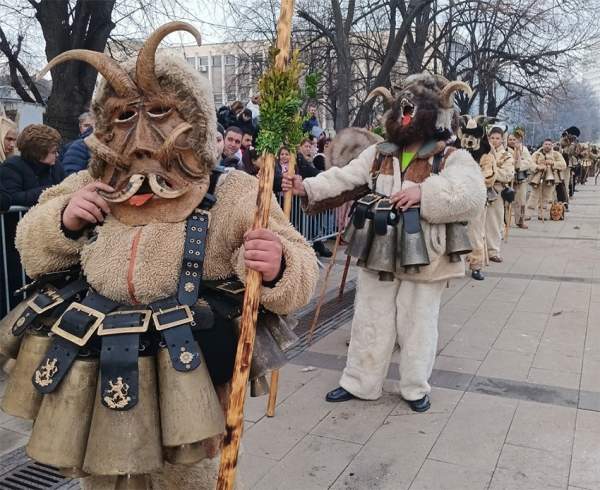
pixel 227 116
pixel 244 122
pixel 311 120
pixel 5 199
pixel 27 175
pixel 77 154
pixel 304 165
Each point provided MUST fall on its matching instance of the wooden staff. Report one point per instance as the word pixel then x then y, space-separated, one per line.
pixel 344 277
pixel 235 410
pixel 508 219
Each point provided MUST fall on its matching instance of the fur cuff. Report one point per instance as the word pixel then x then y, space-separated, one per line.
pixel 315 207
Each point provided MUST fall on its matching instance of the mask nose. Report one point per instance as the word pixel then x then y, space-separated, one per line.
pixel 143 144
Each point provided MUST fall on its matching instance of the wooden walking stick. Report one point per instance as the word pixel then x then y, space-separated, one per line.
pixel 507 221
pixel 344 277
pixel 272 84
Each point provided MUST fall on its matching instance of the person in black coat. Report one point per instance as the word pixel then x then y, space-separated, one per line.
pixel 4 199
pixel 77 154
pixel 27 175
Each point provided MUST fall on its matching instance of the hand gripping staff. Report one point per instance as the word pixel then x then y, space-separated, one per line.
pixel 235 410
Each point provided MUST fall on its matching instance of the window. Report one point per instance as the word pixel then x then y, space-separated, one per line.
pixel 229 59
pixel 202 60
pixel 218 100
pixel 216 61
pixel 191 61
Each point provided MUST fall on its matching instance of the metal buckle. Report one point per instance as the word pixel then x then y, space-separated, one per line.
pixel 80 341
pixel 369 199
pixel 147 314
pixel 52 294
pixel 164 326
pixel 384 205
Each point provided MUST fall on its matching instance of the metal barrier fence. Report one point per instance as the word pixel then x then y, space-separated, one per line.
pixel 12 276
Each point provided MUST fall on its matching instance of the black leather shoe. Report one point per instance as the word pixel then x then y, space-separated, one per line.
pixel 322 250
pixel 421 405
pixel 339 395
pixel 477 275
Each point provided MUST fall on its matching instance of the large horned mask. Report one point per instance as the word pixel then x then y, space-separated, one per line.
pixel 154 140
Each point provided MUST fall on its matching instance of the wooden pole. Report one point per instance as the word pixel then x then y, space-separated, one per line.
pixel 235 410
pixel 344 277
pixel 287 197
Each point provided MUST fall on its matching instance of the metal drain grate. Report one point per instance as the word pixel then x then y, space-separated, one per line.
pixel 32 476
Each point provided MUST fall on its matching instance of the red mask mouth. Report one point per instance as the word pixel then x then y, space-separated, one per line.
pixel 139 200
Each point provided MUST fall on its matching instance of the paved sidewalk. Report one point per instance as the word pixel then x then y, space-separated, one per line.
pixel 516 398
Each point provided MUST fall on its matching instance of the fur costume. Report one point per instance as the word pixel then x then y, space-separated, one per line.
pixel 550 169
pixel 155 145
pixel 405 310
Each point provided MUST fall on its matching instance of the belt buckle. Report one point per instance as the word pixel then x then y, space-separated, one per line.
pixel 369 199
pixel 147 314
pixel 384 205
pixel 79 341
pixel 164 326
pixel 52 294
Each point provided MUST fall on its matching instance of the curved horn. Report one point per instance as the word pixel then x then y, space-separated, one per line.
pixel 134 184
pixel 115 75
pixel 388 98
pixel 161 189
pixel 105 153
pixel 166 149
pixel 146 61
pixel 446 96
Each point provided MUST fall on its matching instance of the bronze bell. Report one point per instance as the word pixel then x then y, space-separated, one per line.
pixel 21 399
pixel 60 433
pixel 457 241
pixel 413 251
pixel 259 386
pixel 382 256
pixel 127 442
pixel 189 407
pixel 360 243
pixel 281 328
pixel 186 453
pixel 549 176
pixel 9 343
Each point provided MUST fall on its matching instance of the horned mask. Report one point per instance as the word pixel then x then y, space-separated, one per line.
pixel 155 136
pixel 423 109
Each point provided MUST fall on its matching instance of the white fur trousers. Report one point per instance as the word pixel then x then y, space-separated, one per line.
pixel 386 313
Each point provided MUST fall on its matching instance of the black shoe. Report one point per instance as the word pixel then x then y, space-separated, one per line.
pixel 477 275
pixel 339 395
pixel 322 250
pixel 421 405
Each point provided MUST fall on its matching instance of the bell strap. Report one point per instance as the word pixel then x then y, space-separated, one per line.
pixel 412 220
pixel 381 217
pixel 120 333
pixel 190 278
pixel 45 301
pixel 175 321
pixel 72 331
pixel 363 206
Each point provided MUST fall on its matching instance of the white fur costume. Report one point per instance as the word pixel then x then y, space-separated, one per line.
pixel 406 310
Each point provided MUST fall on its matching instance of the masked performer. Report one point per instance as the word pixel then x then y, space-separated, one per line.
pixel 548 163
pixel 504 174
pixel 126 391
pixel 569 150
pixel 523 168
pixel 408 231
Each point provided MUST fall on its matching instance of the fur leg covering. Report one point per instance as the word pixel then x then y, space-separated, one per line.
pixel 494 225
pixel 199 476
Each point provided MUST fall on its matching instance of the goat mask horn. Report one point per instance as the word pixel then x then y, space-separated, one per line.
pixel 446 97
pixel 146 61
pixel 116 76
pixel 388 98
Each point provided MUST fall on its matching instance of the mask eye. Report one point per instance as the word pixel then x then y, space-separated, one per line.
pixel 126 115
pixel 159 111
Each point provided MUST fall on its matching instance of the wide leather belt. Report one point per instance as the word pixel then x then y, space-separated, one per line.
pixel 72 331
pixel 119 377
pixel 175 322
pixel 45 301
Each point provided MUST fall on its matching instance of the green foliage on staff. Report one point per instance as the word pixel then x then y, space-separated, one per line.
pixel 280 102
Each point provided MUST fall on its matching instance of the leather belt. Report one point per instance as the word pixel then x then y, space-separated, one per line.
pixel 190 278
pixel 72 331
pixel 119 376
pixel 381 216
pixel 363 206
pixel 45 301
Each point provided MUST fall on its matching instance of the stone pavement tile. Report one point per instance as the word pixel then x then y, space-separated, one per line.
pixel 333 343
pixel 392 457
pixel 533 322
pixel 553 265
pixel 543 426
pixel 585 465
pixel 251 469
pixel 454 315
pixel 10 440
pixel 272 438
pixel 356 420
pixel 568 319
pixel 438 475
pixel 471 343
pixel 457 364
pixel 18 425
pixel 549 357
pixel 526 467
pixel 538 297
pixel 443 401
pixel 528 263
pixel 445 334
pixel 506 364
pixel 475 432
pixel 511 480
pixel 590 381
pixel 551 377
pixel 509 290
pixel 314 464
pixel 512 339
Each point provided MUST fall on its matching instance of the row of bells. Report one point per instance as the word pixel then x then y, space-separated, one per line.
pixel 398 248
pixel 76 433
pixel 548 177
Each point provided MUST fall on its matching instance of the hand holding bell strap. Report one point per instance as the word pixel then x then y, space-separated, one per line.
pixel 119 377
pixel 45 302
pixel 72 332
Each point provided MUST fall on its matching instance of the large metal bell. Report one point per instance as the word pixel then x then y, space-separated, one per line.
pixel 413 250
pixel 348 232
pixel 382 256
pixel 189 406
pixel 127 442
pixel 457 241
pixel 60 433
pixel 21 399
pixel 360 243
pixel 9 343
pixel 280 327
pixel 259 386
pixel 186 453
pixel 492 194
